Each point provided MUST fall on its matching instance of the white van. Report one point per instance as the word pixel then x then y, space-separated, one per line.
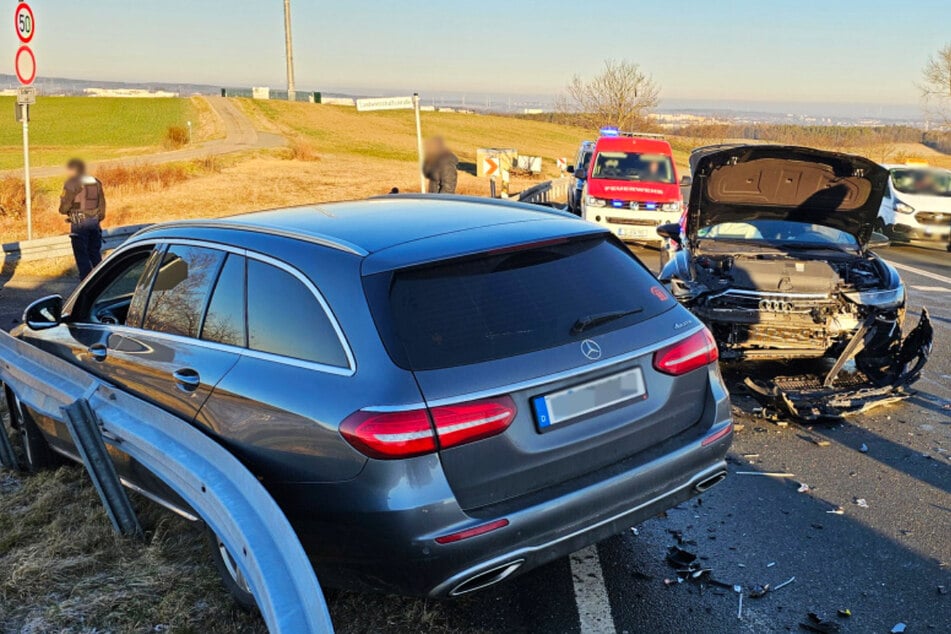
pixel 917 204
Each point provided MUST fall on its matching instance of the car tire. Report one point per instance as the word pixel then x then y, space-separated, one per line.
pixel 37 455
pixel 231 576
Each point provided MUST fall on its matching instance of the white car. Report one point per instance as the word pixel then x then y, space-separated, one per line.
pixel 917 204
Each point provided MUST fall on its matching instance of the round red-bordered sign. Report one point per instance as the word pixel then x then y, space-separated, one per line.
pixel 25 64
pixel 24 22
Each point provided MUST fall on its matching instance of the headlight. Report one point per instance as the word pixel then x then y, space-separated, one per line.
pixel 596 202
pixel 880 299
pixel 903 208
pixel 677 206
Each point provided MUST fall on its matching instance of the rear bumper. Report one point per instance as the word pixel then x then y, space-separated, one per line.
pixel 391 545
pixel 595 513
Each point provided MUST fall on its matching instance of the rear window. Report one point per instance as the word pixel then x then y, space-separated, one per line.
pixel 500 305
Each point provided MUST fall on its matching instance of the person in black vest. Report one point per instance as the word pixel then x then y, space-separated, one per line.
pixel 84 205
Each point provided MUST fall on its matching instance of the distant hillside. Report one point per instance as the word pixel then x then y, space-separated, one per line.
pixel 65 86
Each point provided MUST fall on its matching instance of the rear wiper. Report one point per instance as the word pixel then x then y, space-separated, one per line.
pixel 591 321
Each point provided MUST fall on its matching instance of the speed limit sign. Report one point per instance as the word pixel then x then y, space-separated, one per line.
pixel 25 22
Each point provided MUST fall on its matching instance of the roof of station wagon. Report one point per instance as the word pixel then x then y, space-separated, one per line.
pixel 367 226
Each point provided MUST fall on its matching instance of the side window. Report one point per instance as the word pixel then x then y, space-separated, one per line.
pixel 225 319
pixel 141 296
pixel 285 318
pixel 113 293
pixel 181 289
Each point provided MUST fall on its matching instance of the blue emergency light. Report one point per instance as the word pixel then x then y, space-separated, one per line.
pixel 617 203
pixel 609 130
pixel 650 206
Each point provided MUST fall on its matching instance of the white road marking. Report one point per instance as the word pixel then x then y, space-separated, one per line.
pixel 921 272
pixel 591 595
pixel 931 289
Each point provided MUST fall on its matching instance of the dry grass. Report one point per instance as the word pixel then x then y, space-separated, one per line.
pixel 176 136
pixel 303 150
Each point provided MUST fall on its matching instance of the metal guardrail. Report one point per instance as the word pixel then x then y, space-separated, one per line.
pixel 546 193
pixel 207 477
pixel 60 246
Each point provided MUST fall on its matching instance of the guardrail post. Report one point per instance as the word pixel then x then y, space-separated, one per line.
pixel 84 428
pixel 8 459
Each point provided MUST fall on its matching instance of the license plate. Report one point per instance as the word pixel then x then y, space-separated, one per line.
pixel 637 232
pixel 574 402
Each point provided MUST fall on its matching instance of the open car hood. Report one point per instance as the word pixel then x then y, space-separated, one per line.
pixel 738 183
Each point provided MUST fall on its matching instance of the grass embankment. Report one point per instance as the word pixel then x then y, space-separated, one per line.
pixel 96 128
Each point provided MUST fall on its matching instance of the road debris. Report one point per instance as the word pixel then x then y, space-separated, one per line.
pixel 738 589
pixel 803 488
pixel 784 584
pixel 863 448
pixel 898 629
pixel 844 613
pixel 942 590
pixel 815 623
pixel 838 394
pixel 836 511
pixel 758 591
pixel 861 503
pixel 768 474
pixel 771 564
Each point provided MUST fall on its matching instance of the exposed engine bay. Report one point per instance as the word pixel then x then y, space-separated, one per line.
pixel 771 305
pixel 774 257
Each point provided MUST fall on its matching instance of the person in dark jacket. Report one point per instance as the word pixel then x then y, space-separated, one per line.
pixel 84 205
pixel 440 167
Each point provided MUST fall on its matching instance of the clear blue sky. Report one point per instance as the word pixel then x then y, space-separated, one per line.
pixel 793 50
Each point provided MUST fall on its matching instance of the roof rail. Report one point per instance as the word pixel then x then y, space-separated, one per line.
pixel 479 200
pixel 314 238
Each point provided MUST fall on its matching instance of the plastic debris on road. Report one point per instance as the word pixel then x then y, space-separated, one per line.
pixel 898 629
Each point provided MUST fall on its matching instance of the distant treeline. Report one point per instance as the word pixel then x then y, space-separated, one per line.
pixel 825 136
pixel 821 136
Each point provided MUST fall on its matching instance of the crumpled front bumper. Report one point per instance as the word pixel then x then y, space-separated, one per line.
pixel 810 398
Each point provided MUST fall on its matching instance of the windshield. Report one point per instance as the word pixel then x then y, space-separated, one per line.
pixel 632 166
pixel 922 182
pixel 780 232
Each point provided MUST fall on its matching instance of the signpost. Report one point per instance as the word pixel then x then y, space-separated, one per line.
pixel 400 103
pixel 25 64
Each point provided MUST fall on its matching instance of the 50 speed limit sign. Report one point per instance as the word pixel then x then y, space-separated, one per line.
pixel 25 22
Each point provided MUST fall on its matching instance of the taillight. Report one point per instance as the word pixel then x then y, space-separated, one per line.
pixel 696 351
pixel 466 422
pixel 390 435
pixel 393 435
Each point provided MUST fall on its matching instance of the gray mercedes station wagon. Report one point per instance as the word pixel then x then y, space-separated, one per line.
pixel 440 392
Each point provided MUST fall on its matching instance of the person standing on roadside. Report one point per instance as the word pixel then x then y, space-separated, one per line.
pixel 84 205
pixel 440 167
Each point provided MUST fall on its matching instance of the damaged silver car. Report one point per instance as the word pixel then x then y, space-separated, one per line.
pixel 775 258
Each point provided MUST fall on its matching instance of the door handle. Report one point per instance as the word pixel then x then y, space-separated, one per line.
pixel 98 351
pixel 187 379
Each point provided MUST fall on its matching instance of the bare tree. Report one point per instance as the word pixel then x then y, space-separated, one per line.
pixel 622 95
pixel 936 85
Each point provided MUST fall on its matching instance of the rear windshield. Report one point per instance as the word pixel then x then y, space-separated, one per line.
pixel 499 305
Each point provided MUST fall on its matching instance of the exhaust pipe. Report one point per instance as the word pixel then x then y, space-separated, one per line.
pixel 486 578
pixel 707 483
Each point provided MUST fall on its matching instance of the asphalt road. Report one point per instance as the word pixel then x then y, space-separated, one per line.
pixel 884 563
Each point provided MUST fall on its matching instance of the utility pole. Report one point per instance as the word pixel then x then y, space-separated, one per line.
pixel 289 48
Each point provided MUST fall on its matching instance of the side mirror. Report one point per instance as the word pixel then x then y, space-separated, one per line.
pixel 44 313
pixel 686 181
pixel 671 231
pixel 580 173
pixel 878 241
